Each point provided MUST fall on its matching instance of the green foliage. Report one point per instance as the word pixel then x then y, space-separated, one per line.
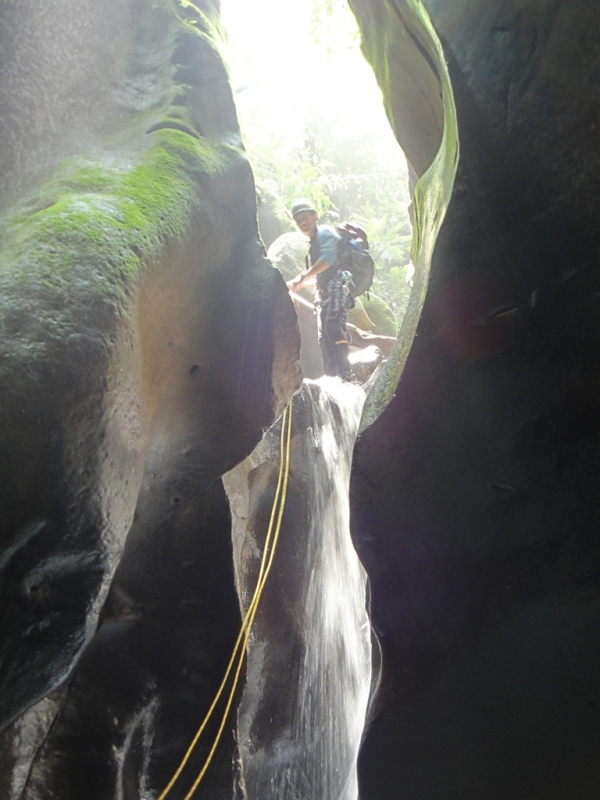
pixel 323 134
pixel 332 27
pixel 341 172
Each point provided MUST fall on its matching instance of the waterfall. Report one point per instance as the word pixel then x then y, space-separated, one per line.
pixel 303 708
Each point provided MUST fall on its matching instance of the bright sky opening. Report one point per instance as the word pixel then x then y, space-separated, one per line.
pixel 286 66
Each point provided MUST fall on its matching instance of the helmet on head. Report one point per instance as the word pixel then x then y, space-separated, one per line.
pixel 302 205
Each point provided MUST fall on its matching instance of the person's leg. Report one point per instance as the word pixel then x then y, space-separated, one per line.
pixel 342 353
pixel 333 335
pixel 325 342
pixel 329 357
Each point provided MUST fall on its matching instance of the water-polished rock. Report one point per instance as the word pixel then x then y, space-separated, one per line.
pixel 364 362
pixel 309 674
pixel 475 496
pixel 146 341
pixel 121 725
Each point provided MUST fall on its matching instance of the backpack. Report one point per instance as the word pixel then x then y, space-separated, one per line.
pixel 354 256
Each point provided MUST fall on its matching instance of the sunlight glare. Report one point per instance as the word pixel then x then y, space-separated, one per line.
pixel 285 74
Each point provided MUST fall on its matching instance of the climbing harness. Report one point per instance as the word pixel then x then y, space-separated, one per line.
pixel 239 649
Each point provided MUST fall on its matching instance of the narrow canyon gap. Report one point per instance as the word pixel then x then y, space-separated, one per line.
pixel 147 344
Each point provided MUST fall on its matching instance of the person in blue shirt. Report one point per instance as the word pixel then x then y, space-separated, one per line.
pixel 331 295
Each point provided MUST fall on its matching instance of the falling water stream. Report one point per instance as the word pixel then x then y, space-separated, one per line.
pixel 309 675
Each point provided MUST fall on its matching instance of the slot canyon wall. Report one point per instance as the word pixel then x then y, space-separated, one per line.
pixel 475 500
pixel 147 344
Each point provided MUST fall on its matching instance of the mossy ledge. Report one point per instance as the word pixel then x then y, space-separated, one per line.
pixel 108 215
pixel 84 238
pixel 147 341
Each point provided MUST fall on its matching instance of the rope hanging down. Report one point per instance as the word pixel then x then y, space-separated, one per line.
pixel 239 649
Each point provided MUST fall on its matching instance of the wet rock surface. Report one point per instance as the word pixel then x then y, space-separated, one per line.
pixel 146 341
pixel 475 503
pixel 145 352
pixel 121 725
pixel 364 362
pixel 309 673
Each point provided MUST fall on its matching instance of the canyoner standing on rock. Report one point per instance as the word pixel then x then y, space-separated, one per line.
pixel 331 295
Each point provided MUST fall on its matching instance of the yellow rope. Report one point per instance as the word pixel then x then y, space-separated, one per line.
pixel 242 639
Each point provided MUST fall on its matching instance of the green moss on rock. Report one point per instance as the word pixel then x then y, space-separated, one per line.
pixel 381 315
pixel 88 232
pixel 424 63
pixel 112 214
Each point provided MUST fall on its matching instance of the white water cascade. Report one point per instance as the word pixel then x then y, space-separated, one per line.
pixel 309 674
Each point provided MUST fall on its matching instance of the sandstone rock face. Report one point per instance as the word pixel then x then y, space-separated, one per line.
pixel 143 684
pixel 359 317
pixel 288 253
pixel 309 675
pixel 383 322
pixel 475 501
pixel 274 219
pixel 146 341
